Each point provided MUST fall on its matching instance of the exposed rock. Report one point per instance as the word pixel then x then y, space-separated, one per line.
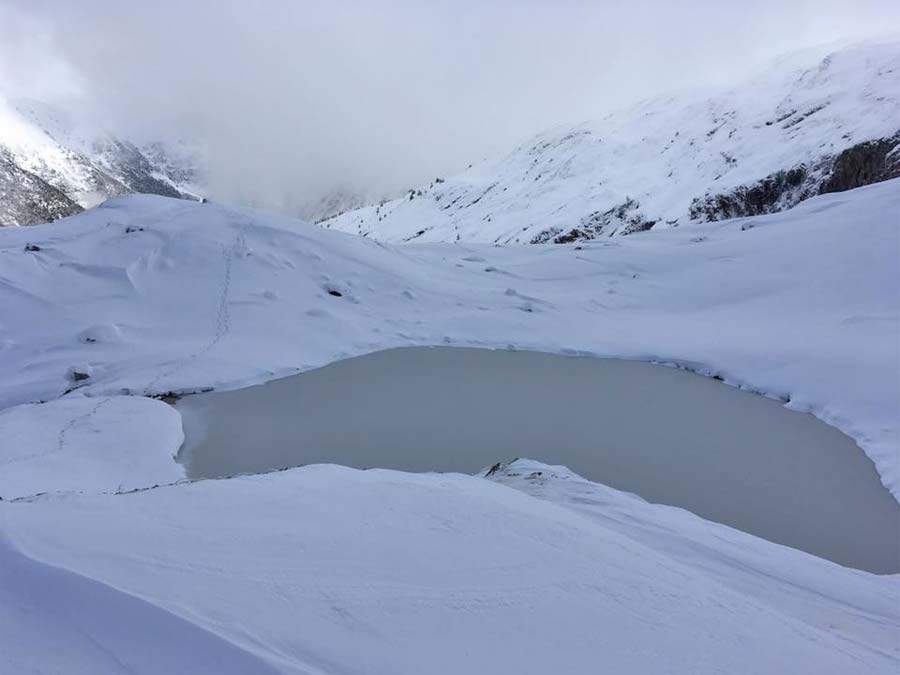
pixel 864 164
pixel 861 164
pixel 624 219
pixel 776 192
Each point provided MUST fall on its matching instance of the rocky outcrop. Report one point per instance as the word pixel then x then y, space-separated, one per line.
pixel 623 219
pixel 864 164
pixel 776 192
pixel 859 165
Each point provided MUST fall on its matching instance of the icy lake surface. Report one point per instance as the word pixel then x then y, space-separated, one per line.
pixel 670 436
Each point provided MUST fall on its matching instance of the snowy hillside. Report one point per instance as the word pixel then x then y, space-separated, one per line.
pixel 803 128
pixel 111 562
pixel 326 569
pixel 150 295
pixel 52 166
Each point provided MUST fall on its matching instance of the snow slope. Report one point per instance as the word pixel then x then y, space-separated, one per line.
pixel 80 443
pixel 56 621
pixel 49 152
pixel 147 295
pixel 528 569
pixel 758 148
pixel 329 569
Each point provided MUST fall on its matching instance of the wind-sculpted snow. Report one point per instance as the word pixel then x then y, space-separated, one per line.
pixel 329 569
pixel 56 621
pixel 759 148
pixel 808 588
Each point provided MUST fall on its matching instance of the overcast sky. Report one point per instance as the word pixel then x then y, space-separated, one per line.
pixel 295 97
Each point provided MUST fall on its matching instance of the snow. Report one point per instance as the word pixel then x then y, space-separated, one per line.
pixel 662 153
pixel 329 569
pixel 808 587
pixel 182 296
pixel 80 443
pixel 56 621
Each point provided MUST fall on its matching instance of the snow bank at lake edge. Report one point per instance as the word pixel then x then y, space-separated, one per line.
pixel 390 560
pixel 202 295
pixel 81 444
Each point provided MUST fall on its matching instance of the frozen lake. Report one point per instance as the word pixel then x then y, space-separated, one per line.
pixel 670 436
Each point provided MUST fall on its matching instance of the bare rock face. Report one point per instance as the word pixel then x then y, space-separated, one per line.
pixel 864 164
pixel 776 192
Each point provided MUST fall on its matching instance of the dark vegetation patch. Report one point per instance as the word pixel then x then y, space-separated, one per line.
pixel 623 219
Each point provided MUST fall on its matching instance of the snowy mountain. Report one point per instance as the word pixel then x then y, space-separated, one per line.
pixel 53 166
pixel 151 295
pixel 809 125
pixel 107 552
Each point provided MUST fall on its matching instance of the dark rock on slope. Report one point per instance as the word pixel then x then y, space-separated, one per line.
pixel 25 198
pixel 862 164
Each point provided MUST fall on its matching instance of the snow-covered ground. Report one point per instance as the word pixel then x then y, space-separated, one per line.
pixel 148 295
pixel 645 165
pixel 80 443
pixel 328 569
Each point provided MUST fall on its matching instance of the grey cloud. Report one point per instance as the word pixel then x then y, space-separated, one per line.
pixel 294 98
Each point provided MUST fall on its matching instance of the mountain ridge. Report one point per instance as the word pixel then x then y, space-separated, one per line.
pixel 52 167
pixel 785 135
